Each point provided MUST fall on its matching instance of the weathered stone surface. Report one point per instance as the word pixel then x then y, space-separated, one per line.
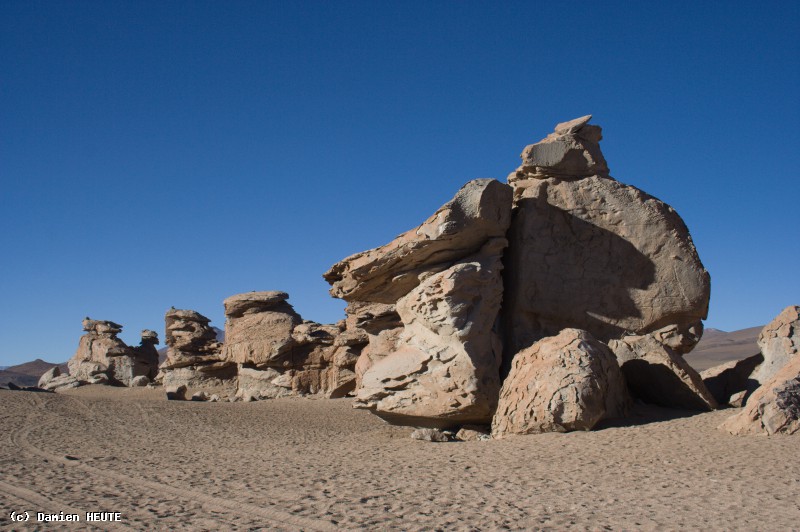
pixel 774 408
pixel 563 383
pixel 100 351
pixel 278 353
pixel 779 342
pixel 727 380
pixel 474 433
pixel 260 384
pixel 48 376
pixel 445 369
pixel 176 393
pixel 139 381
pixel 657 374
pixel 258 328
pixel 194 355
pixel 478 212
pixel 432 435
pixel 588 252
pixel 571 151
pixel 62 382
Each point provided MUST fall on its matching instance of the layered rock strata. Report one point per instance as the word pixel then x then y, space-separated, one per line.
pixel 194 355
pixel 443 280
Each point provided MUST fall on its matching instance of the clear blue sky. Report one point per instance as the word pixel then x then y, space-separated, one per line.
pixel 174 153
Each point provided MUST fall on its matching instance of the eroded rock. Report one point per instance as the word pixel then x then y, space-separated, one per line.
pixel 779 342
pixel 563 383
pixel 656 374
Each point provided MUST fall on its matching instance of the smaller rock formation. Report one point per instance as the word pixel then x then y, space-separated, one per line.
pixel 774 408
pixel 194 356
pixel 657 374
pixel 726 381
pixel 779 342
pixel 278 353
pixel 100 352
pixel 431 435
pixel 562 383
pixel 176 392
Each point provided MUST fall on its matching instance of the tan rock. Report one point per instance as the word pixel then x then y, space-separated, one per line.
pixel 194 355
pixel 588 252
pixel 478 212
pixel 657 374
pixel 726 381
pixel 779 342
pixel 445 369
pixel 559 384
pixel 259 327
pixel 774 408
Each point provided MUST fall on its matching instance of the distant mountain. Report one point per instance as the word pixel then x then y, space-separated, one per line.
pixel 717 347
pixel 28 373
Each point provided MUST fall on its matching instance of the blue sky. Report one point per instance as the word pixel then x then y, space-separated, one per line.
pixel 157 154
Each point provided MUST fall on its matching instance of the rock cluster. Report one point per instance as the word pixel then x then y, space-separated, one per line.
pixel 437 289
pixel 531 281
pixel 104 358
pixel 278 353
pixel 774 406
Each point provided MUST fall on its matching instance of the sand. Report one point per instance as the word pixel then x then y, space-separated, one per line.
pixel 315 464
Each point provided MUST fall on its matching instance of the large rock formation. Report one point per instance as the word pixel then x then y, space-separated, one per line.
pixel 194 356
pixel 657 374
pixel 583 252
pixel 779 342
pixel 101 352
pixel 589 252
pixel 563 383
pixel 279 353
pixel 443 280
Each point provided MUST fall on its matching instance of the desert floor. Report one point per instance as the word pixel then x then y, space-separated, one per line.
pixel 314 464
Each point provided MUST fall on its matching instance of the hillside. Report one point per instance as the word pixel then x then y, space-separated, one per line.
pixel 28 373
pixel 718 347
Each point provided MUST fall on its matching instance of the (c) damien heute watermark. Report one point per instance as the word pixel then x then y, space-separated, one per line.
pixel 44 517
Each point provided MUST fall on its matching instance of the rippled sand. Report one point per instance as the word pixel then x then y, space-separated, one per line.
pixel 314 464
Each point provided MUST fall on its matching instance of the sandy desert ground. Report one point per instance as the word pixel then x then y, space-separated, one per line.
pixel 314 464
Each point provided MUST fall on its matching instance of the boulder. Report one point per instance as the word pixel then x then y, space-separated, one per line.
pixel 728 380
pixel 774 408
pixel 588 252
pixel 176 393
pixel 139 381
pixel 473 433
pixel 62 382
pixel 657 374
pixel 48 376
pixel 779 342
pixel 261 384
pixel 445 369
pixel 100 351
pixel 478 212
pixel 563 383
pixel 432 435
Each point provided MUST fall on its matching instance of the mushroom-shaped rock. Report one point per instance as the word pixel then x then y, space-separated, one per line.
pixel 563 383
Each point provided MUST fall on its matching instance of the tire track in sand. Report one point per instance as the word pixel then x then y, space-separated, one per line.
pixel 237 508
